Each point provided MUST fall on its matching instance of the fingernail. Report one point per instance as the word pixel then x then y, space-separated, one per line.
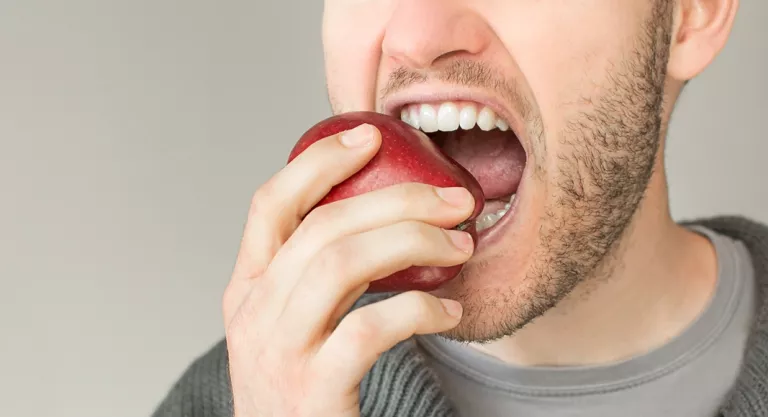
pixel 357 137
pixel 462 240
pixel 453 308
pixel 455 196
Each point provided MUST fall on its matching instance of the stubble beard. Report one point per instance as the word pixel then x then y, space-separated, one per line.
pixel 600 183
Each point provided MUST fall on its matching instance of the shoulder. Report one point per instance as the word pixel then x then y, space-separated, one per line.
pixel 748 395
pixel 739 227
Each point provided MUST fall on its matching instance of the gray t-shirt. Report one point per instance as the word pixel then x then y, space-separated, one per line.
pixel 687 377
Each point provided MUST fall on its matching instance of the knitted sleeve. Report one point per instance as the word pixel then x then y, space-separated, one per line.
pixel 203 390
pixel 398 385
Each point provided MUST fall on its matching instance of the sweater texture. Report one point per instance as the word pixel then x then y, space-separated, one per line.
pixel 401 384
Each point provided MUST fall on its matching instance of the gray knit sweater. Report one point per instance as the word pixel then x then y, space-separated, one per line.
pixel 400 384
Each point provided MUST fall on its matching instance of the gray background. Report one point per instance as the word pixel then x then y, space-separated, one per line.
pixel 132 136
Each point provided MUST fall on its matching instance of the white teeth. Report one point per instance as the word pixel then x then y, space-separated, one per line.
pixel 486 120
pixel 448 117
pixel 413 117
pixel 468 117
pixel 491 219
pixel 405 115
pixel 488 220
pixel 428 118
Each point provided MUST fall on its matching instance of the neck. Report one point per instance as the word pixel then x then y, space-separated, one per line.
pixel 660 279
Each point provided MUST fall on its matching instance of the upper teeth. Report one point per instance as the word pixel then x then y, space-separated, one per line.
pixel 450 116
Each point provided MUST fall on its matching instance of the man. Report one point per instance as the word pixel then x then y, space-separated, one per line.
pixel 581 296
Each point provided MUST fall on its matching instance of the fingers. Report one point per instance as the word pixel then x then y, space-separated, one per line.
pixel 442 207
pixel 365 333
pixel 278 206
pixel 350 262
pixel 346 303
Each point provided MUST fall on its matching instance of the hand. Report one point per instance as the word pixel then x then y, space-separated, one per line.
pixel 293 349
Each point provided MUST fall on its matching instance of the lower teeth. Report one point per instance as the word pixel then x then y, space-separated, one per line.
pixel 491 219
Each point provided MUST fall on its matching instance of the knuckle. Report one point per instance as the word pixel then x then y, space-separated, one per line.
pixel 417 234
pixel 239 292
pixel 250 308
pixel 409 190
pixel 262 195
pixel 359 328
pixel 318 159
pixel 411 196
pixel 249 328
pixel 316 217
pixel 249 311
pixel 421 302
pixel 333 261
pixel 319 167
pixel 257 220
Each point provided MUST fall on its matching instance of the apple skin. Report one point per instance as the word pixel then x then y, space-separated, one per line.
pixel 406 155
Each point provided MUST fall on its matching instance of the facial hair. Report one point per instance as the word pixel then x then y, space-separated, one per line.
pixel 600 181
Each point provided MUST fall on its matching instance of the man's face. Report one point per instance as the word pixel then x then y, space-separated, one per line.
pixel 580 83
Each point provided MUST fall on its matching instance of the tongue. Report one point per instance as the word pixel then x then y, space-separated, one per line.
pixel 496 159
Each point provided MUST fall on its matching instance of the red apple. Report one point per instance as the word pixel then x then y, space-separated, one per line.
pixel 406 155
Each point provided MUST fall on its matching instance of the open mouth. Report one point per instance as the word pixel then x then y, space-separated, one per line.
pixel 483 143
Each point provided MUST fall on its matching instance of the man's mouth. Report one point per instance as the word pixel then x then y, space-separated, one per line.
pixel 483 143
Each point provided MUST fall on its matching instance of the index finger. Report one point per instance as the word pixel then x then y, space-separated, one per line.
pixel 279 205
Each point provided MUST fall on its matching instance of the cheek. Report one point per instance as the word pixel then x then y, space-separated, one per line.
pixel 352 35
pixel 566 49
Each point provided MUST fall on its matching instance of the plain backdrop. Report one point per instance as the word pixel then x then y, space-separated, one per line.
pixel 132 135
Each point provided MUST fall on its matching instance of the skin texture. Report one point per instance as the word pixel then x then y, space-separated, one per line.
pixel 593 211
pixel 292 349
pixel 592 268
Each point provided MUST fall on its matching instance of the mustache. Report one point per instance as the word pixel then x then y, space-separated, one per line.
pixel 463 73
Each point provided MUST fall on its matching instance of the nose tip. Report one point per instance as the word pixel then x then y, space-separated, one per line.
pixel 423 32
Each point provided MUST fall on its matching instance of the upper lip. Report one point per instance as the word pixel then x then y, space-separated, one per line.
pixel 425 94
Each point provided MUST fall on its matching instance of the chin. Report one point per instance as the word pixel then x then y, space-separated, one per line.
pixel 493 286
